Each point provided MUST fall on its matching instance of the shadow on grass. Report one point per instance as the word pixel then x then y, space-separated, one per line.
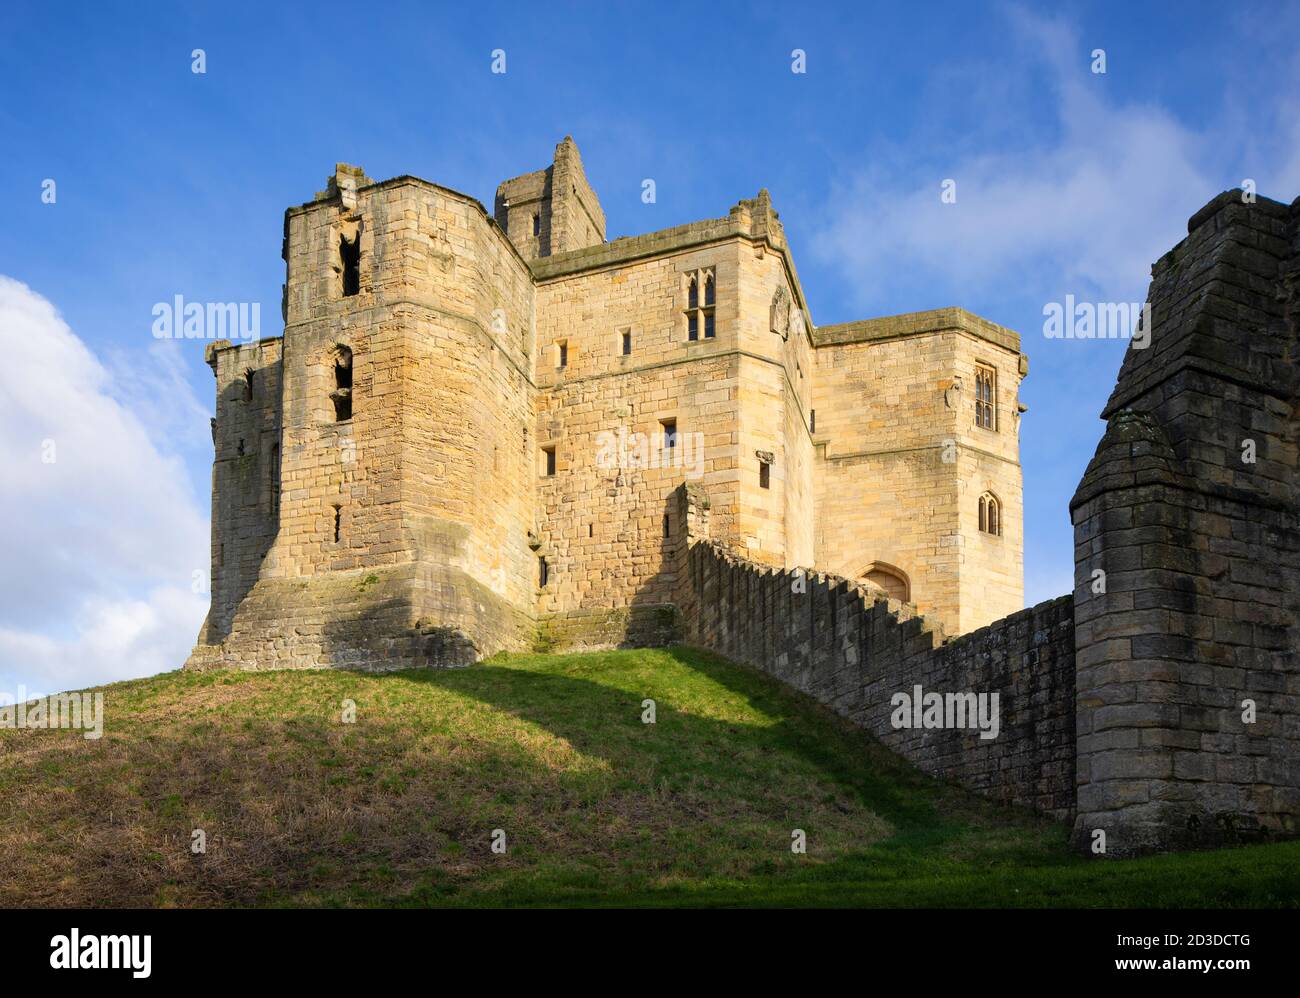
pixel 947 848
pixel 932 824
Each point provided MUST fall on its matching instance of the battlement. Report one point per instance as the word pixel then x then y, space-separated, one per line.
pixel 937 320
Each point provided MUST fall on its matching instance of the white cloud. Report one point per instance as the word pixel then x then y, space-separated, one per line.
pixel 100 545
pixel 1091 198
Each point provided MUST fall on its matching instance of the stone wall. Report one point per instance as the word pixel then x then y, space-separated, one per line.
pixel 1187 552
pixel 854 650
pixel 245 472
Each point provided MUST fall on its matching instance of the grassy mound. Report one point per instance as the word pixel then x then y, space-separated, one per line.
pixel 596 807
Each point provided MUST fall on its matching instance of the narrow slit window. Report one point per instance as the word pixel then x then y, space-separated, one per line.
pixel 543 573
pixel 341 396
pixel 562 353
pixel 667 526
pixel 537 224
pixel 812 420
pixel 350 259
pixel 627 342
pixel 248 385
pixel 338 524
pixel 670 433
pixel 764 475
pixel 274 483
pixel 548 461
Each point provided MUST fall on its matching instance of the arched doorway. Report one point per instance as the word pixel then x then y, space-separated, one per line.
pixel 891 579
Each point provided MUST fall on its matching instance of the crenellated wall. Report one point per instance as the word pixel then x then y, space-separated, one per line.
pixel 854 650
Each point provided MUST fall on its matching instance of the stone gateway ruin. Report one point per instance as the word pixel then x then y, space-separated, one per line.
pixel 485 432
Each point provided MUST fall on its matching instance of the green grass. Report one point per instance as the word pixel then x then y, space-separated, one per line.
pixel 597 807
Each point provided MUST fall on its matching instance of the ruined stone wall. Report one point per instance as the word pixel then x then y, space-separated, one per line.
pixel 577 219
pixel 853 651
pixel 245 472
pixel 1187 553
pixel 523 210
pixel 554 210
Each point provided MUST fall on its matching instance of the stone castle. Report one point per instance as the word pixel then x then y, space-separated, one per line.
pixel 498 432
pixel 468 438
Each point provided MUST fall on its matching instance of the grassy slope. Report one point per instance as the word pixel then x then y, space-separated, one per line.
pixel 598 808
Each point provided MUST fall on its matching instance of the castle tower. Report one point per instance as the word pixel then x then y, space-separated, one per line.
pixel 403 506
pixel 553 210
pixel 919 486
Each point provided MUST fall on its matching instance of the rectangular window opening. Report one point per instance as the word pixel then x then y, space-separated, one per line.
pixel 764 475
pixel 548 460
pixel 350 258
pixel 627 342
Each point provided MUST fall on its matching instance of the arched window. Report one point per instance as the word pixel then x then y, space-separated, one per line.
pixel 892 580
pixel 990 514
pixel 700 322
pixel 341 396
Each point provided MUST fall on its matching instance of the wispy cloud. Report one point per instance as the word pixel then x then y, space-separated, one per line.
pixel 1085 201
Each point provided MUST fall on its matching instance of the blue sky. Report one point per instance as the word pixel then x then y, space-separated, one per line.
pixel 171 182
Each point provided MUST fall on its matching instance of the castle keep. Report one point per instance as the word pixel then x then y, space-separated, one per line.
pixel 470 435
pixel 498 432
